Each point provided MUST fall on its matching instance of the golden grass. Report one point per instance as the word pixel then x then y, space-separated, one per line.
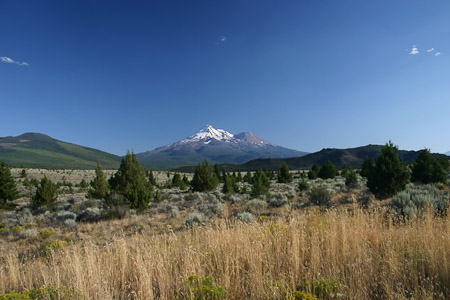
pixel 370 256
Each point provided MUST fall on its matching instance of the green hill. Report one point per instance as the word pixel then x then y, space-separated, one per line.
pixel 352 157
pixel 35 150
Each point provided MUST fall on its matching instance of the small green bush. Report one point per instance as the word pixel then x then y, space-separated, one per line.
pixel 199 288
pixel 297 295
pixel 44 293
pixel 320 196
pixel 46 233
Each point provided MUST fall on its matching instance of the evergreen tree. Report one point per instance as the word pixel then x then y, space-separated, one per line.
pixel 328 170
pixel 366 168
pixel 204 178
pixel 239 177
pixel 260 184
pixel 23 174
pixel 8 188
pixel 99 185
pixel 45 193
pixel 247 177
pixel 151 178
pixel 217 172
pixel 284 176
pixel 130 185
pixel 314 172
pixel 186 181
pixel 351 178
pixel 230 186
pixel 389 175
pixel 178 182
pixel 428 169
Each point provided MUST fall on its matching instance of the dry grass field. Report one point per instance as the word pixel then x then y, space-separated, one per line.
pixel 340 254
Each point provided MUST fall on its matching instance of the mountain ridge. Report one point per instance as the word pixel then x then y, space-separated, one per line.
pixel 32 149
pixel 217 145
pixel 348 157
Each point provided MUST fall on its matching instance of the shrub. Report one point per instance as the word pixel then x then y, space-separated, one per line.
pixel 320 196
pixel 230 186
pixel 199 288
pixel 415 200
pixel 245 217
pixel 8 188
pixel 89 215
pixel 328 170
pixel 260 184
pixel 204 178
pixel 389 175
pixel 46 233
pixel 277 200
pixel 428 169
pixel 195 217
pixel 257 204
pixel 65 215
pixel 322 288
pixel 283 175
pixel 303 185
pixel 129 185
pixel 44 293
pixel 351 179
pixel 99 186
pixel 297 295
pixel 45 193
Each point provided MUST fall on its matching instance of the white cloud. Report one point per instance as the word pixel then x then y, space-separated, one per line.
pixel 430 50
pixel 437 54
pixel 8 60
pixel 221 39
pixel 414 50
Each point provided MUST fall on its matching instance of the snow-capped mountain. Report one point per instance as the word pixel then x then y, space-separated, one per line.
pixel 216 145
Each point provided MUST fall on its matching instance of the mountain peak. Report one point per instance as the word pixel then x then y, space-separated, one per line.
pixel 209 133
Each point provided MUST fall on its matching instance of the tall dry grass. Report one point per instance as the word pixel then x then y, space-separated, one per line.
pixel 370 256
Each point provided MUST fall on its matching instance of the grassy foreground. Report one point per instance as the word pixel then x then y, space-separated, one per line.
pixel 361 255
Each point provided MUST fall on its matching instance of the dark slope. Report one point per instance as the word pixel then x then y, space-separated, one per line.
pixel 39 150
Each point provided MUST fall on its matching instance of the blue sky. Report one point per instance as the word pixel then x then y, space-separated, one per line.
pixel 305 74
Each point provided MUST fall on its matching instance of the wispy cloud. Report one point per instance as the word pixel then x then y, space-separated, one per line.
pixel 437 54
pixel 430 50
pixel 414 50
pixel 8 60
pixel 221 39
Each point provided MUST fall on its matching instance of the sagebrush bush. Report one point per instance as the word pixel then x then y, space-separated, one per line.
pixel 246 217
pixel 320 196
pixel 416 199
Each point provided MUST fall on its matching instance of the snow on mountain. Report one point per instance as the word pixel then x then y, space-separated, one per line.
pixel 208 133
pixel 217 145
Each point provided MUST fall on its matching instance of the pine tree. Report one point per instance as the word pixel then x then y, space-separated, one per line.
pixel 328 170
pixel 230 186
pixel 178 182
pixel 314 172
pixel 260 184
pixel 428 169
pixel 389 175
pixel 45 193
pixel 151 178
pixel 366 168
pixel 284 176
pixel 204 178
pixel 99 185
pixel 8 188
pixel 217 172
pixel 130 185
